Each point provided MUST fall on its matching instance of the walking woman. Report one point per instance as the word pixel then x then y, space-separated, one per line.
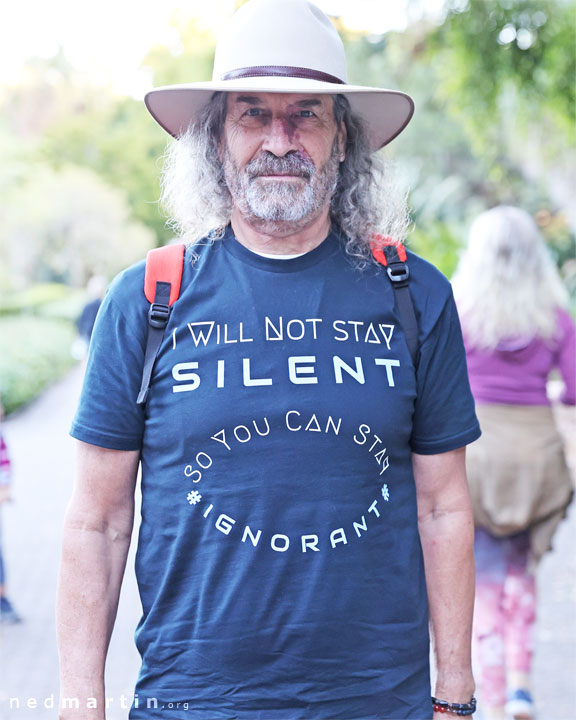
pixel 517 330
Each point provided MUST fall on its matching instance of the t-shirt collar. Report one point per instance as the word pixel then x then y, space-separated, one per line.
pixel 326 248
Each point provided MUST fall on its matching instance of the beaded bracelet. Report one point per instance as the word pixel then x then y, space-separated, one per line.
pixel 462 709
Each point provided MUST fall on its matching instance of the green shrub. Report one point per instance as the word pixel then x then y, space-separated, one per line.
pixel 53 300
pixel 33 297
pixel 68 308
pixel 34 352
pixel 438 243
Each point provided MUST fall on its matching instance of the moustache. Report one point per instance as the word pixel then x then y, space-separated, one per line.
pixel 291 164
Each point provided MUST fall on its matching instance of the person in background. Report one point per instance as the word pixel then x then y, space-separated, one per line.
pixel 512 306
pixel 8 616
pixel 85 323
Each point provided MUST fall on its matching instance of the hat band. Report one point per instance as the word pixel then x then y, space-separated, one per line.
pixel 281 71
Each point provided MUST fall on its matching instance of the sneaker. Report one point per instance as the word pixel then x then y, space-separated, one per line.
pixel 8 616
pixel 520 705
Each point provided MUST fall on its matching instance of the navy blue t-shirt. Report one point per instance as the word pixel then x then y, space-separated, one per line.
pixel 279 561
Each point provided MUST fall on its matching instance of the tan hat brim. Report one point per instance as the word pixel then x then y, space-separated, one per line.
pixel 385 112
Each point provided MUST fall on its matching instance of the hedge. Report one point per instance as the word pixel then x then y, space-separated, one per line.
pixel 34 353
pixel 49 300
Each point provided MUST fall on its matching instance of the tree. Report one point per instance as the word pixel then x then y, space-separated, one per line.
pixel 61 120
pixel 189 58
pixel 64 226
pixel 520 53
pixel 121 143
pixel 486 130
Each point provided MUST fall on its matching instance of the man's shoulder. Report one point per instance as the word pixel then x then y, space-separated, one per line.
pixel 129 280
pixel 125 294
pixel 428 284
pixel 127 288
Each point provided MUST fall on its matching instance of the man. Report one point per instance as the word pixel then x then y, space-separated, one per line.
pixel 303 484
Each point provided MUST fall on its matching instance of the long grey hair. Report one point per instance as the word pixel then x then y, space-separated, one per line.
pixel 507 285
pixel 199 204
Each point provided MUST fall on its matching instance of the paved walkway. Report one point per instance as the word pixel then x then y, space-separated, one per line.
pixel 43 457
pixel 43 460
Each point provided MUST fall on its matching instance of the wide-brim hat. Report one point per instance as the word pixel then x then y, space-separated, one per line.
pixel 282 46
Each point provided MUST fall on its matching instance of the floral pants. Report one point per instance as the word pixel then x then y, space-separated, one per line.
pixel 504 612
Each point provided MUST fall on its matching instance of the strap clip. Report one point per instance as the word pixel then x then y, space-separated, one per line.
pixel 158 315
pixel 398 272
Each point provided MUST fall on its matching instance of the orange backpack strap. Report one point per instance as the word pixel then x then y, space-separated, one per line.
pixel 392 255
pixel 164 264
pixel 380 245
pixel 162 288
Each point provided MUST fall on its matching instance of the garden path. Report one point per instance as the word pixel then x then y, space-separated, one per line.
pixel 43 458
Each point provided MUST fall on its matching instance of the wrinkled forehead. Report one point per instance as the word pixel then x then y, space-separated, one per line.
pixel 278 102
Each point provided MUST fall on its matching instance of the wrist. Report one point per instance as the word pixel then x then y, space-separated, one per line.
pixel 442 707
pixel 455 686
pixel 82 699
pixel 86 709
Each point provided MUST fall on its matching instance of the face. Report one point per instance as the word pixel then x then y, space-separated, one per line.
pixel 281 154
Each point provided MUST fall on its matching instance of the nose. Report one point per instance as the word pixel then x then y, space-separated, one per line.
pixel 279 138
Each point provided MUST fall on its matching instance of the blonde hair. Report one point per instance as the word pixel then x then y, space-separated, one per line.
pixel 506 284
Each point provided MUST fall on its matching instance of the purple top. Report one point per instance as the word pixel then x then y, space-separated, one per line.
pixel 516 372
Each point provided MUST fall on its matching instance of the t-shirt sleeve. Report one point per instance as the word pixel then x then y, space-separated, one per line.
pixel 108 415
pixel 444 416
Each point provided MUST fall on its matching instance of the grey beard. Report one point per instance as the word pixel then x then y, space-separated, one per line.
pixel 277 201
pixel 280 200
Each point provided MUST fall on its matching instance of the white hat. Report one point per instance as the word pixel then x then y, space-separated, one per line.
pixel 284 46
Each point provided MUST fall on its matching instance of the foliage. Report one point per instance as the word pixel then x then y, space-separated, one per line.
pixel 189 58
pixel 440 243
pixel 34 352
pixel 493 121
pixel 47 300
pixel 518 50
pixel 74 225
pixel 60 119
pixel 121 143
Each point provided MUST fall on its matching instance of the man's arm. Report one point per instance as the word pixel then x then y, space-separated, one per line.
pixel 96 539
pixel 446 526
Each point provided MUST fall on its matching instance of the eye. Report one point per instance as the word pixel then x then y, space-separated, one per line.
pixel 254 117
pixel 306 114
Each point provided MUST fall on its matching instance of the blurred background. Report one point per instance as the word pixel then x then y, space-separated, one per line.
pixel 494 85
pixel 493 82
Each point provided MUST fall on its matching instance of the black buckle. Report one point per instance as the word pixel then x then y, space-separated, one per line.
pixel 398 272
pixel 158 315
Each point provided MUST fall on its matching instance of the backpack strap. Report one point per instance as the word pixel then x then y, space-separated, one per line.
pixel 392 255
pixel 162 288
